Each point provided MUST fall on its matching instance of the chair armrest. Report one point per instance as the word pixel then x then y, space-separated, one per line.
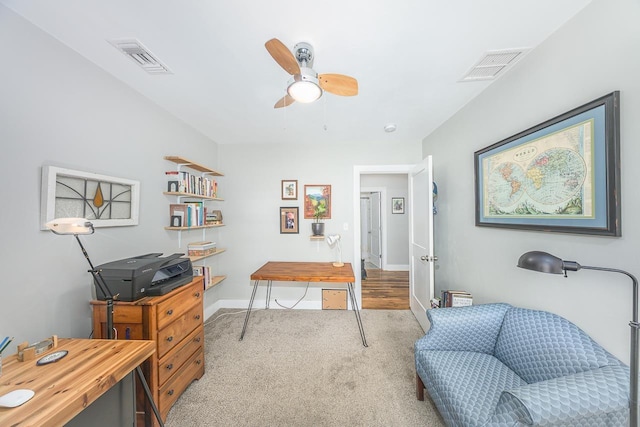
pixel 557 401
pixel 472 328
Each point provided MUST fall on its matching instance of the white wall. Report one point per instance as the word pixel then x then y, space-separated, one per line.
pixel 397 225
pixel 252 177
pixel 593 55
pixel 57 108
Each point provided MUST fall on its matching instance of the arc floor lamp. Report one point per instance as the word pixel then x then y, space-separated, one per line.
pixel 76 227
pixel 547 263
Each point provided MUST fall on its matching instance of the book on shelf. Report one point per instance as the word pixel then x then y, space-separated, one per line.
pixel 454 298
pixel 185 182
pixel 202 270
pixel 191 214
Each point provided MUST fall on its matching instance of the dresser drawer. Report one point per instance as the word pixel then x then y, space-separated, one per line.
pixel 182 326
pixel 178 304
pixel 169 393
pixel 171 363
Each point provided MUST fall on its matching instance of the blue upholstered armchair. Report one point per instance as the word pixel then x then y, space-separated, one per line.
pixel 498 365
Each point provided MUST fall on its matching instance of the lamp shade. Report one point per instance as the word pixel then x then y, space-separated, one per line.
pixel 70 226
pixel 334 240
pixel 546 263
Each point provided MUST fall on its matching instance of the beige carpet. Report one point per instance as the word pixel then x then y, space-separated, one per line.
pixel 307 368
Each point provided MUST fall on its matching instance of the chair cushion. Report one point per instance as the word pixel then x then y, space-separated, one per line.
pixel 465 386
pixel 539 346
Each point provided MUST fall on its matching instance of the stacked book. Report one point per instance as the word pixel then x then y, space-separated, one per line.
pixel 456 298
pixel 201 248
pixel 201 270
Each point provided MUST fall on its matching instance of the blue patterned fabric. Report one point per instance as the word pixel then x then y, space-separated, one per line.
pixel 539 346
pixel 511 366
pixel 475 330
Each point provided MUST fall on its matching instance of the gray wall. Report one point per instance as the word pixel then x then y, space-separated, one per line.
pixel 252 177
pixel 593 55
pixel 58 108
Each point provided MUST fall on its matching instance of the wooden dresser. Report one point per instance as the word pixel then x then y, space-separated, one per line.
pixel 175 322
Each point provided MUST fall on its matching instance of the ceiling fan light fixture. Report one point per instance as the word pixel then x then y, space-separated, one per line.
pixel 304 89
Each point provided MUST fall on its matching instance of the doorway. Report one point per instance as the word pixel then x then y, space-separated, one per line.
pixel 383 237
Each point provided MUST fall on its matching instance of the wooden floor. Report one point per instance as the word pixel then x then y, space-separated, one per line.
pixel 385 290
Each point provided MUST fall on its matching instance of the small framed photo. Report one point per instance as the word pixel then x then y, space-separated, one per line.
pixel 397 205
pixel 289 220
pixel 289 189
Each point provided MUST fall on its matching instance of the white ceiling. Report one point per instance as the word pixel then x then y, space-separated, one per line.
pixel 407 56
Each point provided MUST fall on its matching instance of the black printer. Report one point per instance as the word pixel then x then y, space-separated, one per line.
pixel 145 275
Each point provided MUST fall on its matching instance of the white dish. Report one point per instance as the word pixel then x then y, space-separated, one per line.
pixel 16 397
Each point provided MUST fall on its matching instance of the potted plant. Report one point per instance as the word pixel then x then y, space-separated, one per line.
pixel 319 211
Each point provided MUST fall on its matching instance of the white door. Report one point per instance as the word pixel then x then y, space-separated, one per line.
pixel 365 214
pixel 422 258
pixel 375 256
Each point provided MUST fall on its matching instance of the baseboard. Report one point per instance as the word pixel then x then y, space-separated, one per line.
pixel 396 267
pixel 259 305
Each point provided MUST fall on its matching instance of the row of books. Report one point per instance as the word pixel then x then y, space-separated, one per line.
pixel 452 298
pixel 202 270
pixel 189 214
pixel 185 182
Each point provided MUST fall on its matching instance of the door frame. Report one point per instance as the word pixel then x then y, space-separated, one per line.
pixel 383 219
pixel 359 170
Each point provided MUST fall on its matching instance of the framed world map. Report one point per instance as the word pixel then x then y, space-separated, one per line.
pixel 562 175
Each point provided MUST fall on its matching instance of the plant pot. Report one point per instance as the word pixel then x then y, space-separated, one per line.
pixel 317 228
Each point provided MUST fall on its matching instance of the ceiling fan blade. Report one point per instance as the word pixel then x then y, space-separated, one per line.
pixel 338 84
pixel 284 101
pixel 283 56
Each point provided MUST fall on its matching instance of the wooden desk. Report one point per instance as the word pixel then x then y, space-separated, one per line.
pixel 305 272
pixel 64 388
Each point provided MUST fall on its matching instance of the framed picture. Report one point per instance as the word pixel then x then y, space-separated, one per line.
pixel 289 220
pixel 289 189
pixel 397 205
pixel 106 201
pixel 562 175
pixel 317 201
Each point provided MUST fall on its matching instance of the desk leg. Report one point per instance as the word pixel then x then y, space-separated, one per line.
pixel 354 306
pixel 246 319
pixel 266 305
pixel 147 391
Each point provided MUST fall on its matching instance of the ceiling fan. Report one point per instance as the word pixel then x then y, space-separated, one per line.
pixel 307 85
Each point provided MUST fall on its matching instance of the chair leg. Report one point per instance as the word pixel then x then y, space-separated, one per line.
pixel 419 388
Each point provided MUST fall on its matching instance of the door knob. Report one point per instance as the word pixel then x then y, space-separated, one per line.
pixel 428 258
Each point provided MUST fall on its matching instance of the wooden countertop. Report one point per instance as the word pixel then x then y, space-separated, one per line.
pixel 64 388
pixel 305 272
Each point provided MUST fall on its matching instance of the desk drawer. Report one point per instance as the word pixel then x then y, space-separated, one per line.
pixel 177 305
pixel 172 362
pixel 169 393
pixel 173 334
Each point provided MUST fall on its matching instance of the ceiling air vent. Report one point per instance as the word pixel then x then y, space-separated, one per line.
pixel 492 64
pixel 141 56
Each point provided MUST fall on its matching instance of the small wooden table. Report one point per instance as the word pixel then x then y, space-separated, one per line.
pixel 305 272
pixel 66 387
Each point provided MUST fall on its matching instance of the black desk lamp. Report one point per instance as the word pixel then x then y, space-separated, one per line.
pixel 547 263
pixel 76 227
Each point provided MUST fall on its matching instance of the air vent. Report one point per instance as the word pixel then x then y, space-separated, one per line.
pixel 141 56
pixel 492 64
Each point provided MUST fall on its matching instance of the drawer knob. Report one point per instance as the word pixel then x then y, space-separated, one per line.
pixel 197 317
pixel 170 366
pixel 197 294
pixel 198 362
pixel 169 339
pixel 169 312
pixel 170 392
pixel 197 339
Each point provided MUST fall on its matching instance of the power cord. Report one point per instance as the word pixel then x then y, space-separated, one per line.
pixel 301 298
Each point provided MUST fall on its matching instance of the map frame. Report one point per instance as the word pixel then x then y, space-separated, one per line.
pixel 596 208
